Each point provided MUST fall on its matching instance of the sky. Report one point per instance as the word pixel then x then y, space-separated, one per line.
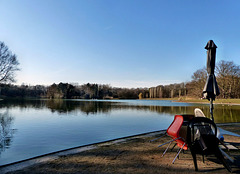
pixel 124 43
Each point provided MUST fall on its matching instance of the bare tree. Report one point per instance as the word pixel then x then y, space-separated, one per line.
pixel 195 87
pixel 228 79
pixel 8 64
pixel 228 74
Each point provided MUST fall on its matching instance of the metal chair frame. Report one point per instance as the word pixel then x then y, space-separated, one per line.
pixel 201 139
pixel 173 131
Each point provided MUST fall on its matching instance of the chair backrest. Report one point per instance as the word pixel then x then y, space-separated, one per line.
pixel 202 130
pixel 198 113
pixel 205 126
pixel 174 130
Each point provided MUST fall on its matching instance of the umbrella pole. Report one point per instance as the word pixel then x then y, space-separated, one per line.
pixel 211 109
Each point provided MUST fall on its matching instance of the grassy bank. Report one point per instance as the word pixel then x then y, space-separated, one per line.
pixel 217 101
pixel 197 100
pixel 160 99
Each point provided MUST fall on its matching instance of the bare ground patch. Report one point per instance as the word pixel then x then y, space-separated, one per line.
pixel 134 156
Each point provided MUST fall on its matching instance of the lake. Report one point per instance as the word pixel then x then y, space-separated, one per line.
pixel 29 128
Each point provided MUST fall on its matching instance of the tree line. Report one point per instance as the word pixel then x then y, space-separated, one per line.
pixel 69 91
pixel 227 75
pixel 92 91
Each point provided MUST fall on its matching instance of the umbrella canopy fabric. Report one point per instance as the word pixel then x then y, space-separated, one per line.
pixel 211 56
pixel 211 90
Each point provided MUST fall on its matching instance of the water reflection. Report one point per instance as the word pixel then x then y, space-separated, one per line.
pixel 6 133
pixel 51 125
pixel 87 107
pixel 222 114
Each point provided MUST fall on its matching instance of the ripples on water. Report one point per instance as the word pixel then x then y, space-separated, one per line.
pixel 34 127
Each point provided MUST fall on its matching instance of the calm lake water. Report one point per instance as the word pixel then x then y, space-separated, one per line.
pixel 34 127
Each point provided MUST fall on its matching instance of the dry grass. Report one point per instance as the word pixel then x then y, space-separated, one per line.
pixel 217 101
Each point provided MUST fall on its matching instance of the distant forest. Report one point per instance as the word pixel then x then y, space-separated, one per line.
pixel 69 91
pixel 227 74
pixel 85 91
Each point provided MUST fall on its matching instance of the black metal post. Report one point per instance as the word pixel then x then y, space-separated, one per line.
pixel 211 109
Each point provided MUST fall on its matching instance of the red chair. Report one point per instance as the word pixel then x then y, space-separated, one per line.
pixel 178 133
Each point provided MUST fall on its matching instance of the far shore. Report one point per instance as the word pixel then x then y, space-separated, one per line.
pixel 181 99
pixel 201 101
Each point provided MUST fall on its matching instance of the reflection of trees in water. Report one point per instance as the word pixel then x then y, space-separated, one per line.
pixel 6 133
pixel 226 114
pixel 172 109
pixel 23 104
pixel 221 113
pixel 88 107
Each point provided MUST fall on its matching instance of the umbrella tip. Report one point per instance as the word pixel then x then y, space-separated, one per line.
pixel 210 44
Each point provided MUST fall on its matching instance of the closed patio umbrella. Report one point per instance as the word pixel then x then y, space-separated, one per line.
pixel 211 89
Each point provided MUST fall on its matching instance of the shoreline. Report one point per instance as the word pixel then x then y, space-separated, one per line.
pixel 48 161
pixel 197 101
pixel 215 103
pixel 55 155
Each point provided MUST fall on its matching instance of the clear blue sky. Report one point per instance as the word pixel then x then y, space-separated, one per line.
pixel 124 43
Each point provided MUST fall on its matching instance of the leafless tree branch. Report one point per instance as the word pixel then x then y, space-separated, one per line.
pixel 8 64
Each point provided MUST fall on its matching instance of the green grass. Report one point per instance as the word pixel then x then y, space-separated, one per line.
pixel 159 99
pixel 195 100
pixel 219 101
